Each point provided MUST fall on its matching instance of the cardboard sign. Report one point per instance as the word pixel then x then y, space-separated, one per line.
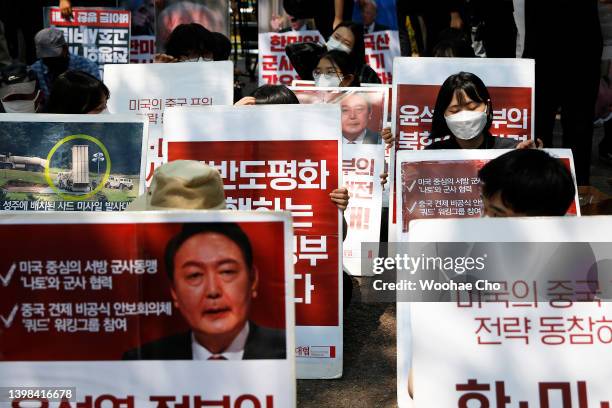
pixel 445 183
pixel 363 109
pixel 381 48
pixel 533 352
pixel 148 89
pixel 102 301
pixel 268 163
pixel 98 34
pixel 71 162
pixel 361 167
pixel 274 65
pixel 417 81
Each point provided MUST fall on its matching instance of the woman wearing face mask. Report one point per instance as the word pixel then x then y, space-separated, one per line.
pixel 335 68
pixel 78 92
pixel 463 115
pixel 348 37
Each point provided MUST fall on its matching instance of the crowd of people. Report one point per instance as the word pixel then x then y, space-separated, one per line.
pixel 524 182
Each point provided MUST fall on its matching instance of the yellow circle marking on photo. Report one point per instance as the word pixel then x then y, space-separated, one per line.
pixel 94 191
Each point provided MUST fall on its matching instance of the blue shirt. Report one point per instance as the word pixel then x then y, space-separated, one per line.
pixel 75 63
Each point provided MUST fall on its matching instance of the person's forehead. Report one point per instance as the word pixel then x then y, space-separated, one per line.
pixel 325 63
pixel 345 33
pixel 197 244
pixel 354 100
pixel 460 97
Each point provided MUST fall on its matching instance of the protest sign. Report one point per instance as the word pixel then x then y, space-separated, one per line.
pixel 445 183
pixel 361 167
pixel 142 49
pixel 417 81
pixel 212 14
pixel 269 162
pixel 381 48
pixel 99 34
pixel 274 66
pixel 71 162
pixel 363 109
pixel 86 311
pixel 148 89
pixel 529 350
pixel 363 117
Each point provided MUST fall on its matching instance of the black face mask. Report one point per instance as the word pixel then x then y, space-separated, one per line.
pixel 56 65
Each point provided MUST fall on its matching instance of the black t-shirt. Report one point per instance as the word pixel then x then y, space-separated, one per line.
pixel 489 142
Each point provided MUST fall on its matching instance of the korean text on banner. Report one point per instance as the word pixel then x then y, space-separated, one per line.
pixel 445 184
pixel 102 299
pixel 274 66
pixel 416 82
pixel 381 47
pixel 148 89
pixel 71 162
pixel 270 162
pixel 545 352
pixel 361 167
pixel 98 34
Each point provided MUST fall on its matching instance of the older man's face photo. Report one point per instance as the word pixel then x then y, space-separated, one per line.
pixel 355 116
pixel 212 287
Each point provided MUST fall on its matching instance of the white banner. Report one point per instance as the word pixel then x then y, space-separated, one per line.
pixel 361 167
pixel 114 304
pixel 445 184
pixel 381 48
pixel 274 64
pixel 148 89
pixel 269 163
pixel 540 353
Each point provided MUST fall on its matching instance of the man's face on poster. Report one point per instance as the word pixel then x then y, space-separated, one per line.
pixel 212 286
pixel 355 115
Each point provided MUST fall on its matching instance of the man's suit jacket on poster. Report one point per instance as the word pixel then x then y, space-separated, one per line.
pixel 372 137
pixel 262 343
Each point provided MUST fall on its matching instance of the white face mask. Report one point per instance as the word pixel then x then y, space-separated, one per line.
pixel 327 80
pixel 21 105
pixel 333 44
pixel 466 125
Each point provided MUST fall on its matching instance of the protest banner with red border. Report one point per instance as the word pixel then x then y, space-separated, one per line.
pixel 101 35
pixel 544 352
pixel 381 48
pixel 102 294
pixel 274 66
pixel 148 89
pixel 269 161
pixel 445 184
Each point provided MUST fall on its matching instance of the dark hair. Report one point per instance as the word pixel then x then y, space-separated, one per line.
pixel 358 51
pixel 228 229
pixel 223 47
pixel 453 44
pixel 274 95
pixel 76 92
pixel 529 181
pixel 343 61
pixel 190 39
pixel 473 87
